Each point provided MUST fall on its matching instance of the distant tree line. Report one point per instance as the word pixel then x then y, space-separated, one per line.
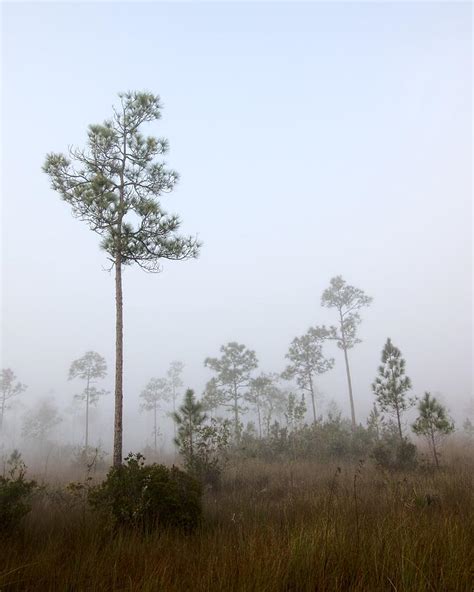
pixel 115 184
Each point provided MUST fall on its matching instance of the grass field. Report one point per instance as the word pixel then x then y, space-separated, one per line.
pixel 271 527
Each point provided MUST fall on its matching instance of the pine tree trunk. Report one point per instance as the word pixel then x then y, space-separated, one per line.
pixel 87 414
pixel 2 411
pixel 312 398
pixel 191 445
pixel 154 424
pixel 348 372
pixel 399 424
pixel 118 424
pixel 259 422
pixel 435 454
pixel 349 383
pixel 236 415
pixel 174 411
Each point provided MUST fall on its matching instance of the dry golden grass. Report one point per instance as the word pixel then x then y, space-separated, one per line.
pixel 288 527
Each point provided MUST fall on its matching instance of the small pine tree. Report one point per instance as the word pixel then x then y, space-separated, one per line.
pixel 432 423
pixel 189 419
pixel 391 385
pixel 374 422
pixel 202 444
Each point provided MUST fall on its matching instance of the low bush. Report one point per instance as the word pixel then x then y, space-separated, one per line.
pixel 148 496
pixel 15 492
pixel 393 453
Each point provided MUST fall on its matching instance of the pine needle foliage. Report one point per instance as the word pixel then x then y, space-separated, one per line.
pixel 432 423
pixel 392 384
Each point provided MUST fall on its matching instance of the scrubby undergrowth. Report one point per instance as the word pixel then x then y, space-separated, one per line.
pixel 280 527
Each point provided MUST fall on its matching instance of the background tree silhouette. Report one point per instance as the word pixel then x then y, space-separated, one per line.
pixel 175 382
pixel 233 374
pixel 91 367
pixel 348 301
pixel 157 390
pixel 308 361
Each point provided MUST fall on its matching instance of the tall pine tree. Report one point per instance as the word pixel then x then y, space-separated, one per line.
pixel 113 185
pixel 348 301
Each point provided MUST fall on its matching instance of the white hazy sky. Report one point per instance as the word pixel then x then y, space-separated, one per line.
pixel 312 140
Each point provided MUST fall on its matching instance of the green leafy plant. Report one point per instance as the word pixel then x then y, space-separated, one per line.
pixel 394 453
pixel 146 497
pixel 15 492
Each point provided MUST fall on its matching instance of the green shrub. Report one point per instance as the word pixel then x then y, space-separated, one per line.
pixel 15 492
pixel 393 453
pixel 148 496
pixel 328 440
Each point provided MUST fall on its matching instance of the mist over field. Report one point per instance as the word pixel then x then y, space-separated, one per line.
pixel 313 141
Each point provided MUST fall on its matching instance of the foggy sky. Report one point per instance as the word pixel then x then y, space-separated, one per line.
pixel 311 140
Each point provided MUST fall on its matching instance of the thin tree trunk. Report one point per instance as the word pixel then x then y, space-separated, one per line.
pixel 348 372
pixel 399 424
pixel 154 423
pixel 2 411
pixel 259 422
pixel 118 419
pixel 118 423
pixel 434 449
pixel 174 411
pixel 87 414
pixel 312 398
pixel 349 383
pixel 191 443
pixel 236 415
